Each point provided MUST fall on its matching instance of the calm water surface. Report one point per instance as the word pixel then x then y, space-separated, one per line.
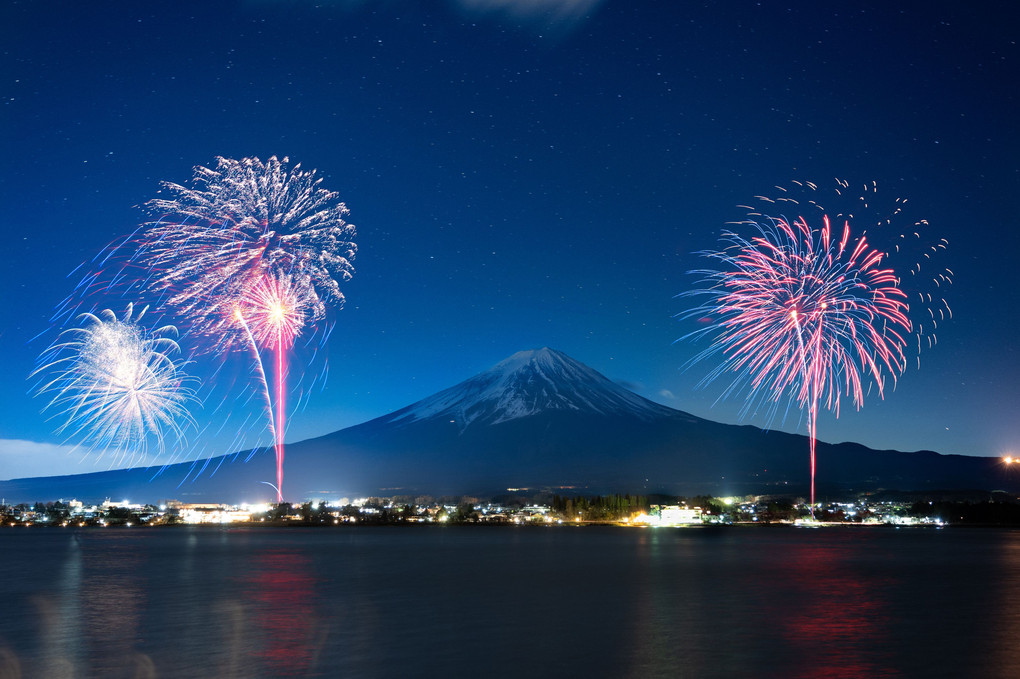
pixel 510 602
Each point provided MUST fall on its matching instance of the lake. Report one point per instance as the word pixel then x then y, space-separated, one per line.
pixel 465 601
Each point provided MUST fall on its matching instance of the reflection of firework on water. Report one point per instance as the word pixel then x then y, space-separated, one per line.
pixel 250 256
pixel 804 308
pixel 115 384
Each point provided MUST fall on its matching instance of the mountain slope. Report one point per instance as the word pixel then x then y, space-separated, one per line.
pixel 537 419
pixel 526 384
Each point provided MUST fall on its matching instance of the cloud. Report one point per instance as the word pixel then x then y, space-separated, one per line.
pixel 629 385
pixel 26 459
pixel 555 17
pixel 555 11
pixel 667 394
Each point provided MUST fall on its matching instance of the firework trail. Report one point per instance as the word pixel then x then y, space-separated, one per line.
pixel 273 314
pixel 250 256
pixel 239 316
pixel 805 310
pixel 115 384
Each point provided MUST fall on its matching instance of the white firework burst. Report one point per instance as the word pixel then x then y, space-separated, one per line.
pixel 116 385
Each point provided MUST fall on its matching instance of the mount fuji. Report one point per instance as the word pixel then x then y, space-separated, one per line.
pixel 526 384
pixel 537 420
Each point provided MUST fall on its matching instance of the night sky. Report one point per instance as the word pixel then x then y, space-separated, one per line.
pixel 521 174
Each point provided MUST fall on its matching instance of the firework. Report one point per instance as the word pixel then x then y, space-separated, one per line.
pixel 273 313
pixel 908 246
pixel 805 310
pixel 250 256
pixel 116 385
pixel 276 308
pixel 242 222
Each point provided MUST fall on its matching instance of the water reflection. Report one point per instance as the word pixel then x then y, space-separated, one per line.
pixel 1005 616
pixel 95 600
pixel 571 602
pixel 663 627
pixel 112 599
pixel 835 623
pixel 767 603
pixel 281 589
pixel 10 666
pixel 58 613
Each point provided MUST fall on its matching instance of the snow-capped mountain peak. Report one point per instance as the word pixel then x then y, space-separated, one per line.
pixel 528 383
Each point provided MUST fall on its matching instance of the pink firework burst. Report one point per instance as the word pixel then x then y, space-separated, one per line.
pixel 804 312
pixel 276 309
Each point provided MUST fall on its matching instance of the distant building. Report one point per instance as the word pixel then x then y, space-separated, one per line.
pixel 210 513
pixel 122 504
pixel 674 515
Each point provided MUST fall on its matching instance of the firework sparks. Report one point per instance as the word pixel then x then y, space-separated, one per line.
pixel 276 308
pixel 241 223
pixel 813 313
pixel 116 385
pixel 908 247
pixel 250 256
